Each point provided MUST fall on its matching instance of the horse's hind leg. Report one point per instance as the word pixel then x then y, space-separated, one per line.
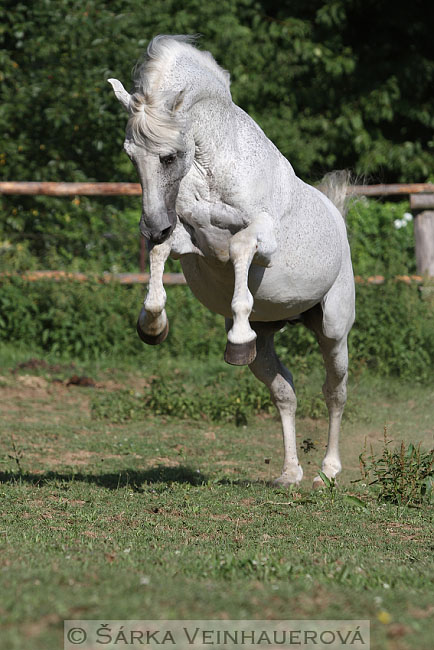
pixel 152 325
pixel 268 368
pixel 335 354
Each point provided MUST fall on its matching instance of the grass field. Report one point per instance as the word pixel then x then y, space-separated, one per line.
pixel 111 512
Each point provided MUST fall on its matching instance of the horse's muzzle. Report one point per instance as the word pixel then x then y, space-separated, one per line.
pixel 158 237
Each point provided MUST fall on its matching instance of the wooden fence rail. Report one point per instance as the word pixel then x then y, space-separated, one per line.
pixel 169 279
pixel 134 189
pixel 421 201
pixel 103 278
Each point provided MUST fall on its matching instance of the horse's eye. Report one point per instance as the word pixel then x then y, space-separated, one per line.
pixel 168 160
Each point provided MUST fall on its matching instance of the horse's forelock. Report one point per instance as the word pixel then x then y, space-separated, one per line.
pixel 152 125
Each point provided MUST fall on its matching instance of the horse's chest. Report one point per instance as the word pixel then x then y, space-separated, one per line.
pixel 211 239
pixel 210 219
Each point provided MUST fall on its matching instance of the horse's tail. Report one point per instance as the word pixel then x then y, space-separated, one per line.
pixel 337 187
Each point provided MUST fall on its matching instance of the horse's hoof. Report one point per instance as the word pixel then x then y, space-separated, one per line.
pixel 240 354
pixel 150 339
pixel 318 483
pixel 290 478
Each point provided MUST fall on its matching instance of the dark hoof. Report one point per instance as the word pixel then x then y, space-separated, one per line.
pixel 240 354
pixel 149 339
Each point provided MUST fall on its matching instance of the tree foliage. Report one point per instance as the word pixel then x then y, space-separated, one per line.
pixel 335 83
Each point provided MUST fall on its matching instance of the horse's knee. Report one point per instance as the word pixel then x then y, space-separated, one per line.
pixel 278 380
pixel 335 384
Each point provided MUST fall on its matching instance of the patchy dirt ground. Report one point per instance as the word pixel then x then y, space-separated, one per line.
pixel 46 412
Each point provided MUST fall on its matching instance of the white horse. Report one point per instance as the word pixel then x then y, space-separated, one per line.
pixel 256 244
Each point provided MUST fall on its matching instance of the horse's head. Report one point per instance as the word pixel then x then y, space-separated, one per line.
pixel 161 149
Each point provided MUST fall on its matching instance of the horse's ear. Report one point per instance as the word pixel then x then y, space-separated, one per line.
pixel 122 95
pixel 176 102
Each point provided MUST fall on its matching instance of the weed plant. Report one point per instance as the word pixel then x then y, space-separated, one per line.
pixel 170 397
pixel 403 476
pixel 231 396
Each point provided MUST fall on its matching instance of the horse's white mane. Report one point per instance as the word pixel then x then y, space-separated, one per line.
pixel 155 122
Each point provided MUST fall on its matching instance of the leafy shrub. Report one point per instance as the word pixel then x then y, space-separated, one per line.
pixel 394 331
pixel 226 397
pixel 381 239
pixel 96 235
pixel 404 476
pixel 79 234
pixel 119 406
pixel 393 334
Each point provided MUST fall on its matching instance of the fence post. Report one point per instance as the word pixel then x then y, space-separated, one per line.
pixel 423 205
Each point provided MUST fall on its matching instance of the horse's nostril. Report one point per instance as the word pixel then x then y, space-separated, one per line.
pixel 165 233
pixel 160 236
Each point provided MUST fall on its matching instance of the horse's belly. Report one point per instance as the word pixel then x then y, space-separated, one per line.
pixel 278 292
pixel 279 295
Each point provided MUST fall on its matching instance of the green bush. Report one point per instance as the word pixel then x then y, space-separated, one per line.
pixel 381 238
pixel 394 331
pixel 92 235
pixel 170 396
pixel 79 234
pixel 224 397
pixel 393 334
pixel 92 320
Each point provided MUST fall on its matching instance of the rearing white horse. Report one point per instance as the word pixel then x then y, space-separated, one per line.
pixel 256 244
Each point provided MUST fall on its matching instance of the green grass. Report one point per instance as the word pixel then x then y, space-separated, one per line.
pixel 161 517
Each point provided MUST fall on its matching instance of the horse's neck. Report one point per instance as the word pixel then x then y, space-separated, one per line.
pixel 232 152
pixel 200 82
pixel 212 119
pixel 227 143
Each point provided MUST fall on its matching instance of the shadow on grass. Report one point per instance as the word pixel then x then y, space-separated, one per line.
pixel 132 478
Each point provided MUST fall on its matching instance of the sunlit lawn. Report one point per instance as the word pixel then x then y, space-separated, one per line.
pixel 160 517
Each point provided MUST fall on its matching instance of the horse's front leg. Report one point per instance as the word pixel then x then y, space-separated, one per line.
pixel 255 240
pixel 152 325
